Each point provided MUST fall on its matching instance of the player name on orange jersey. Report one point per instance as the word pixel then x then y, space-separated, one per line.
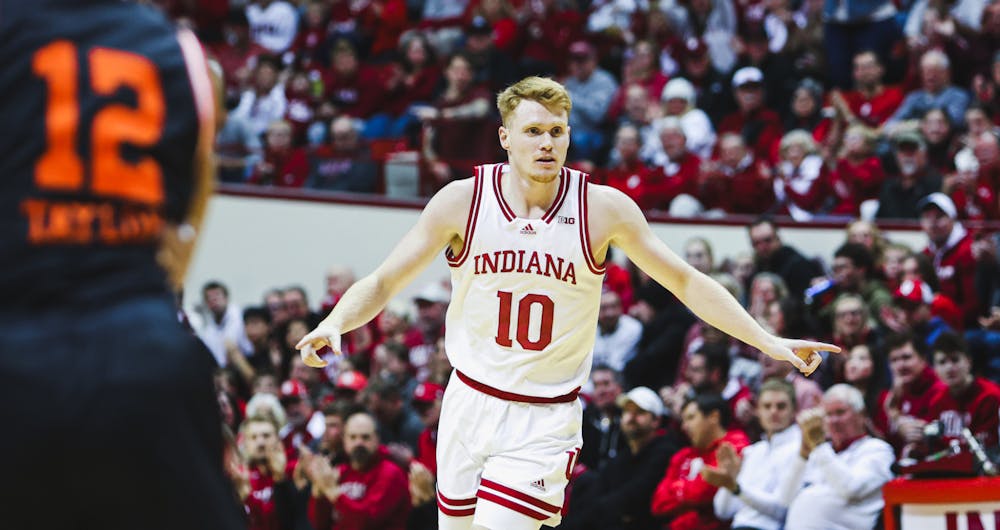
pixel 522 261
pixel 73 222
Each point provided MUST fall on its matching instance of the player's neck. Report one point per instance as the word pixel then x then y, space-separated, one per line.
pixel 527 196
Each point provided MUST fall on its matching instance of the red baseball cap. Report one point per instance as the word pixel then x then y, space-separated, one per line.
pixel 293 389
pixel 352 380
pixel 914 291
pixel 427 392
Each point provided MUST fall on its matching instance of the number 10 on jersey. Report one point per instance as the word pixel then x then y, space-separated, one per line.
pixel 525 305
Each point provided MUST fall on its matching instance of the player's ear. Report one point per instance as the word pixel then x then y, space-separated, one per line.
pixel 504 139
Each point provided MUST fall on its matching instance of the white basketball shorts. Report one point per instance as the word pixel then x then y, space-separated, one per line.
pixel 504 463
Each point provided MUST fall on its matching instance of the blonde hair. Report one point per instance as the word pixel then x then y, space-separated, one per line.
pixel 798 137
pixel 551 94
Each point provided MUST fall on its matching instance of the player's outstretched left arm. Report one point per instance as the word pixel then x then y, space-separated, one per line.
pixel 616 220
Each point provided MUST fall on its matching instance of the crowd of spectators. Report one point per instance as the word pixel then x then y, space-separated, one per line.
pixel 703 107
pixel 829 111
pixel 683 426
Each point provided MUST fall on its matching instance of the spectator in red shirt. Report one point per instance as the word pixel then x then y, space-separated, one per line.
pixel 501 16
pixel 368 492
pixel 801 183
pixel 707 372
pixel 683 499
pixel 974 197
pixel 265 479
pixel 298 405
pixel 282 165
pixel 410 81
pixel 351 87
pixel 679 172
pixel 642 69
pixel 905 408
pixel 628 172
pixel 546 30
pixel 331 444
pixel 871 102
pixel 236 53
pixel 858 174
pixel 454 125
pixel 381 24
pixel 299 110
pixel 737 182
pixel 427 398
pixel 964 400
pixel 807 112
pixel 950 247
pixel 939 131
pixel 308 44
pixel 758 125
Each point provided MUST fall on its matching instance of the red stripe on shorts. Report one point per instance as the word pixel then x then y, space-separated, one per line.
pixel 520 398
pixel 456 502
pixel 520 496
pixel 512 505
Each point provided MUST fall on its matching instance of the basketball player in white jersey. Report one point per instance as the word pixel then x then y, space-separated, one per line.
pixel 526 242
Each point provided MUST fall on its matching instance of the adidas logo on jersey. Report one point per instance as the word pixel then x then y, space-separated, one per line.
pixel 528 230
pixel 539 485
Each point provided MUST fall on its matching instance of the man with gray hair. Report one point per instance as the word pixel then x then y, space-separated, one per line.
pixel 936 91
pixel 837 483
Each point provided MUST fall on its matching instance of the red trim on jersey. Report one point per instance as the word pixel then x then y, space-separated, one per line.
pixel 520 398
pixel 470 224
pixel 560 197
pixel 504 207
pixel 585 230
pixel 549 214
pixel 511 492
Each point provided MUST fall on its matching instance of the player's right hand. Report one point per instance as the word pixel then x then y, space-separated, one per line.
pixel 314 341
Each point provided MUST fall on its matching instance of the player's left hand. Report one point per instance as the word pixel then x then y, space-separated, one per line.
pixel 803 354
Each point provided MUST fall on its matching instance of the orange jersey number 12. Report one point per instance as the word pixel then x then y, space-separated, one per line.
pixel 60 168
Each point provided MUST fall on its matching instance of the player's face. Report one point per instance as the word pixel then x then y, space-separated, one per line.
pixel 775 411
pixel 536 140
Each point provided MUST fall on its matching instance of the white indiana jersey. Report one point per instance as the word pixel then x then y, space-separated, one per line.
pixel 525 292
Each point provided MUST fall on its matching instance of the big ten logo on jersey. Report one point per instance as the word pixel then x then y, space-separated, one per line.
pixel 111 198
pixel 564 220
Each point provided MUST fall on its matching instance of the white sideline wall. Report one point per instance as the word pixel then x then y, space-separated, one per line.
pixel 252 244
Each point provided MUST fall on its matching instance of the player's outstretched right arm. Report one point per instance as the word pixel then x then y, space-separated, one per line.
pixel 437 227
